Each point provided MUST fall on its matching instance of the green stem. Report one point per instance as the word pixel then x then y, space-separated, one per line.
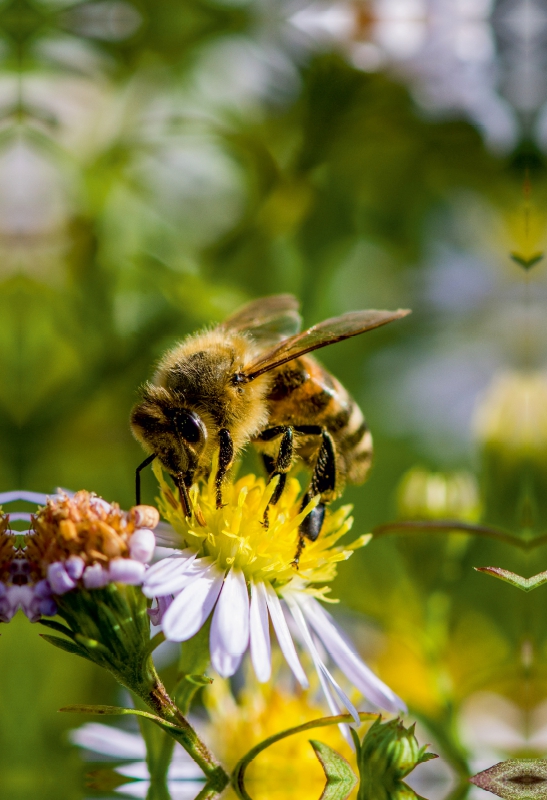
pixel 455 526
pixel 164 758
pixel 161 704
pixel 238 774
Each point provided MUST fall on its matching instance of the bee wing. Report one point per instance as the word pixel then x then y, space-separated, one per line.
pixel 328 332
pixel 268 320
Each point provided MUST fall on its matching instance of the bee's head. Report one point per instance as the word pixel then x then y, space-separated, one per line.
pixel 175 433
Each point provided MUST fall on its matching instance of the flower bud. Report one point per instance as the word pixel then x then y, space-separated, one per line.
pixel 388 753
pixel 144 516
pixel 142 545
pixel 438 495
pixel 511 426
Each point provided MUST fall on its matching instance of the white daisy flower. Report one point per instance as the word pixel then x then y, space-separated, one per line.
pixel 229 564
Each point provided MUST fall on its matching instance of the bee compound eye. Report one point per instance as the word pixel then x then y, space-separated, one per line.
pixel 190 427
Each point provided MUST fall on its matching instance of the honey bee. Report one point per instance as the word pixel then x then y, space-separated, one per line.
pixel 251 380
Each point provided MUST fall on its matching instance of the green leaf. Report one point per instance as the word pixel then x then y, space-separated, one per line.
pixel 56 626
pixel 526 584
pixel 118 711
pixel 515 779
pixel 340 777
pixel 66 645
pixel 238 774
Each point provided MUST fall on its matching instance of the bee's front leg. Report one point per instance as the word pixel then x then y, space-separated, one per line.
pixel 225 460
pixel 138 471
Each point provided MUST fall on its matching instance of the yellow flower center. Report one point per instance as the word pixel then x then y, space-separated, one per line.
pixel 236 534
pixel 288 768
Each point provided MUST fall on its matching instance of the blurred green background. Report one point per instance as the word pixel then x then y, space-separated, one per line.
pixel 163 162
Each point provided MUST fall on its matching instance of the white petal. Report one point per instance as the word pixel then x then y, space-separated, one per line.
pixel 184 771
pixel 172 562
pixel 178 771
pixel 135 789
pixel 166 536
pixel 27 497
pixel 319 666
pixel 177 580
pixel 109 741
pixel 347 659
pixel 189 610
pixel 284 637
pixel 178 790
pixel 230 626
pixel 260 633
pixel 138 769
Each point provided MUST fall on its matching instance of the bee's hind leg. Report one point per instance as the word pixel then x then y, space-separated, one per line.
pixel 323 482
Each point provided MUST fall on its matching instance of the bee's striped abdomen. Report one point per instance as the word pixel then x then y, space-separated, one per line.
pixel 303 392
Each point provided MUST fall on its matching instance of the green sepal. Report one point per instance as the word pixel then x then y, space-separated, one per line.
pixel 340 777
pixel 91 644
pixel 56 626
pixel 423 756
pixel 356 741
pixel 66 645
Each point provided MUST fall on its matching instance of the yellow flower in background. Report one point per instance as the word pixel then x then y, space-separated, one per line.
pixel 287 769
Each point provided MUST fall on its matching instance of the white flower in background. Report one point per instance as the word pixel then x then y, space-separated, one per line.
pixel 243 573
pixel 184 778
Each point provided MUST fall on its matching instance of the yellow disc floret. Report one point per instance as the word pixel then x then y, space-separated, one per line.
pixel 237 535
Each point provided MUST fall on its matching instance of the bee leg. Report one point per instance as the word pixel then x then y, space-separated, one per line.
pixel 225 460
pixel 280 465
pixel 323 482
pixel 138 471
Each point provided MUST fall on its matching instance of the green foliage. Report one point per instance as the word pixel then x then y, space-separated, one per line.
pixel 515 779
pixel 338 189
pixel 340 776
